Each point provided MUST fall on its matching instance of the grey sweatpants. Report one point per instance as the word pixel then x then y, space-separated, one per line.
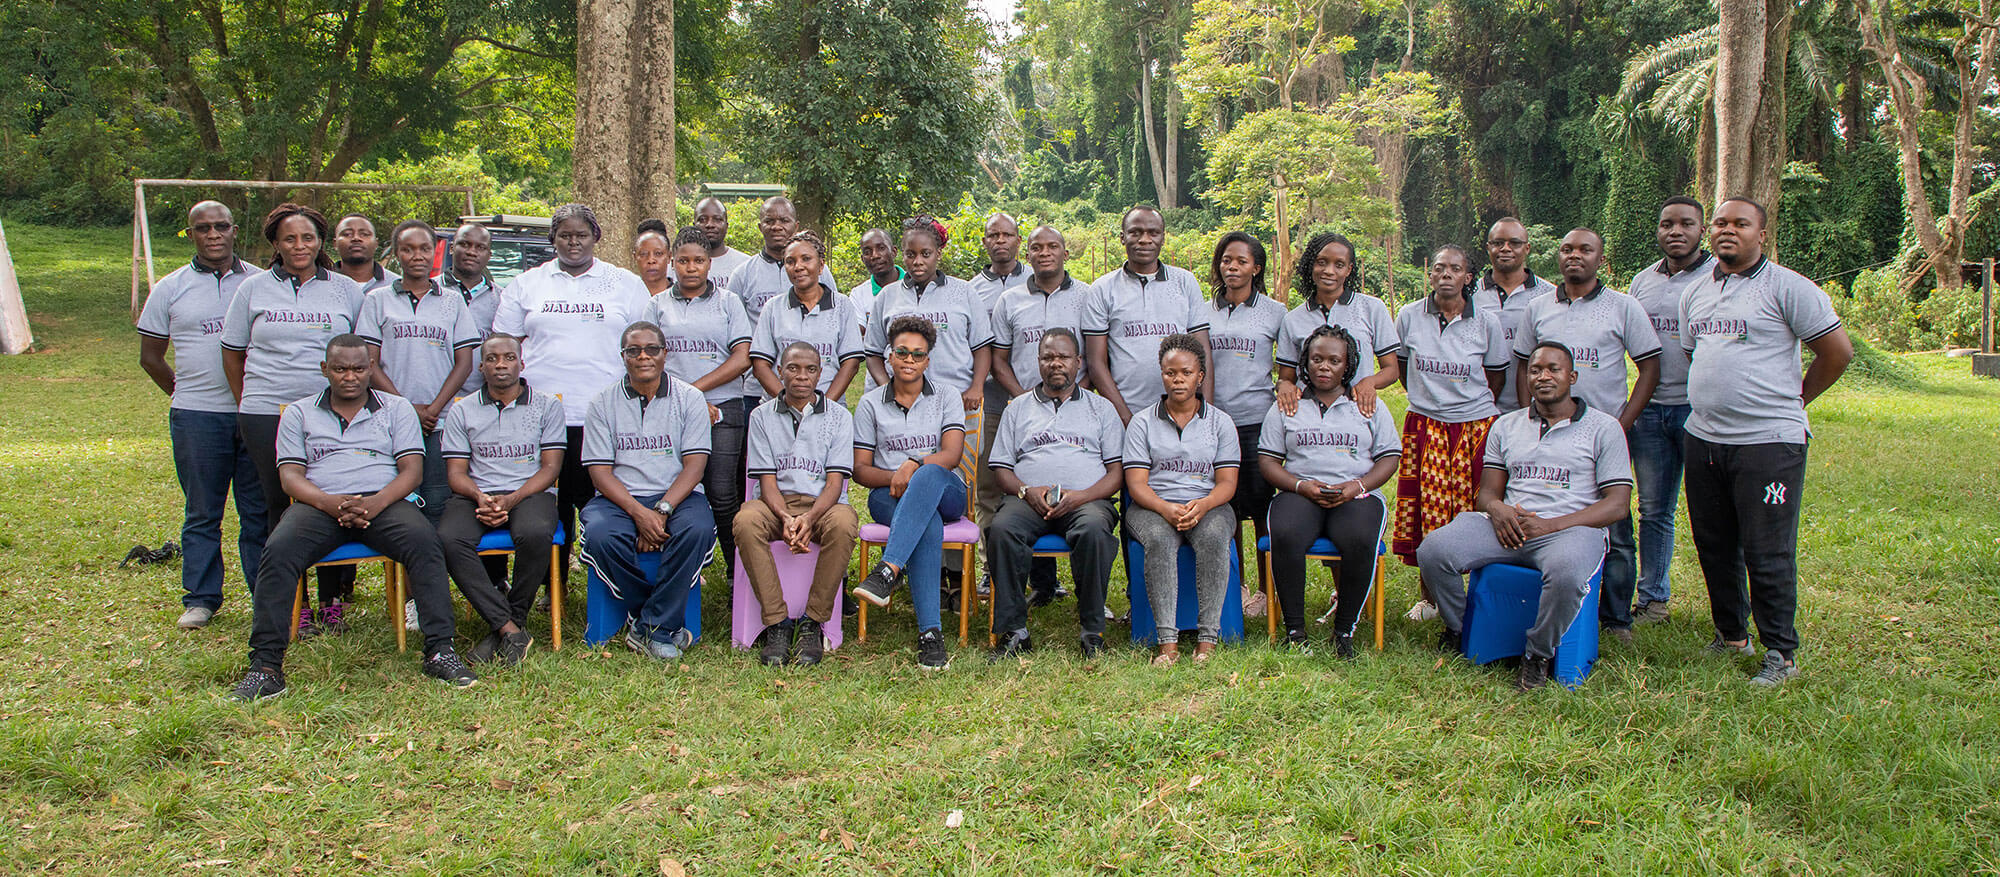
pixel 1566 558
pixel 1210 540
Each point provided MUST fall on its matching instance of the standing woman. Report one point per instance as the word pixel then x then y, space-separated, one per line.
pixel 273 338
pixel 1180 469
pixel 568 313
pixel 1329 278
pixel 908 437
pixel 1328 462
pixel 1457 355
pixel 812 312
pixel 708 345
pixel 1242 339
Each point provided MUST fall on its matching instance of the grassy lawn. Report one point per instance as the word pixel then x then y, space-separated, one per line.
pixel 119 755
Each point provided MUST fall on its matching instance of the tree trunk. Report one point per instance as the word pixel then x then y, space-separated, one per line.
pixel 624 155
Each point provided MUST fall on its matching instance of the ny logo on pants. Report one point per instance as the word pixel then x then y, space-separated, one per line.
pixel 1774 494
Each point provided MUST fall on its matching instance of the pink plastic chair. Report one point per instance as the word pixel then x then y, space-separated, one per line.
pixel 795 572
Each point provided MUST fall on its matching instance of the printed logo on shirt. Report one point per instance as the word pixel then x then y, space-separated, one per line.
pixel 1456 372
pixel 515 451
pixel 314 319
pixel 1554 476
pixel 1726 328
pixel 1148 329
pixel 588 310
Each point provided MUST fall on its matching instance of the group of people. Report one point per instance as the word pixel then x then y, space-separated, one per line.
pixel 701 400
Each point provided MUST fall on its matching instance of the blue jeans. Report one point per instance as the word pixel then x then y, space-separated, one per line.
pixel 210 459
pixel 1658 442
pixel 610 546
pixel 916 533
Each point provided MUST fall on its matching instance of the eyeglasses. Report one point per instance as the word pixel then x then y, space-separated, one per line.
pixel 211 227
pixel 911 355
pixel 650 350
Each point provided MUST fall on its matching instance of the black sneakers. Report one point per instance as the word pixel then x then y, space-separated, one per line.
pixel 777 644
pixel 808 644
pixel 930 648
pixel 1015 644
pixel 880 583
pixel 445 666
pixel 1534 673
pixel 258 685
pixel 1776 670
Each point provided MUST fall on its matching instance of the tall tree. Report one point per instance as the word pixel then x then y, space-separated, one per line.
pixel 624 159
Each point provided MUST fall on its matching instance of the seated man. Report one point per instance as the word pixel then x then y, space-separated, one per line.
pixel 347 457
pixel 1556 476
pixel 801 451
pixel 1057 458
pixel 645 445
pixel 503 448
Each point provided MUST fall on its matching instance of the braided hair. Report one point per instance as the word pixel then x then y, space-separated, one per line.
pixel 1340 334
pixel 1304 268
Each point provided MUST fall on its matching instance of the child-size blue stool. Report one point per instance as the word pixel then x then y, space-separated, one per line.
pixel 1500 606
pixel 604 615
pixel 1187 610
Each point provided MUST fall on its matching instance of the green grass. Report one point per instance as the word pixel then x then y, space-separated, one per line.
pixel 117 754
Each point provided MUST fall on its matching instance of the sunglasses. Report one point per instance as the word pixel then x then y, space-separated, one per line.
pixel 911 355
pixel 650 350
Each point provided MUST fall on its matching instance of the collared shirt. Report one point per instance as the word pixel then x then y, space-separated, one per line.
pixel 829 326
pixel 1659 291
pixel 1024 313
pixel 1445 365
pixel 572 327
pixel 799 447
pixel 701 332
pixel 503 442
pixel 895 434
pixel 862 296
pixel 1742 333
pixel 281 324
pixel 758 279
pixel 645 442
pixel 186 309
pixel 1049 443
pixel 482 300
pixel 953 307
pixel 349 456
pixel 1561 467
pixel 1242 346
pixel 1600 328
pixel 1134 312
pixel 1363 316
pixel 1181 462
pixel 1512 306
pixel 1330 443
pixel 420 338
pixel 720 267
pixel 991 286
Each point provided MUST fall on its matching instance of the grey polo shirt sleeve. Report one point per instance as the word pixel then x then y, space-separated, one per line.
pixel 1110 430
pixel 764 338
pixel 597 429
pixel 236 322
pixel 1388 341
pixel 368 324
pixel 1498 355
pixel 292 434
pixel 1006 437
pixel 760 456
pixel 691 435
pixel 406 432
pixel 840 456
pixel 848 345
pixel 454 440
pixel 1636 329
pixel 1614 463
pixel 1388 440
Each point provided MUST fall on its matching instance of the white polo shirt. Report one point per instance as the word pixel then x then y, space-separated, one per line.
pixel 281 324
pixel 1134 313
pixel 570 326
pixel 186 309
pixel 1600 328
pixel 1445 364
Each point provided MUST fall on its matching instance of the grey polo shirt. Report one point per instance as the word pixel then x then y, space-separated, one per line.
pixel 1600 328
pixel 1242 347
pixel 502 443
pixel 186 309
pixel 953 306
pixel 895 434
pixel 1332 443
pixel 1659 292
pixel 281 324
pixel 1049 443
pixel 830 327
pixel 1512 306
pixel 1363 316
pixel 1742 333
pixel 644 441
pixel 419 339
pixel 482 300
pixel 1024 313
pixel 1562 467
pixel 1445 365
pixel 349 456
pixel 700 332
pixel 991 286
pixel 1134 312
pixel 758 279
pixel 572 326
pixel 800 447
pixel 1181 462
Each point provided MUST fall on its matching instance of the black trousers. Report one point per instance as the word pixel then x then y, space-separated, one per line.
pixel 573 492
pixel 1743 508
pixel 532 525
pixel 1355 528
pixel 722 481
pixel 260 440
pixel 1010 539
pixel 305 534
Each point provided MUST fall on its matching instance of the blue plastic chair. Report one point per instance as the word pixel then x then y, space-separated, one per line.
pixel 356 554
pixel 604 614
pixel 501 542
pixel 1500 606
pixel 1187 609
pixel 1321 549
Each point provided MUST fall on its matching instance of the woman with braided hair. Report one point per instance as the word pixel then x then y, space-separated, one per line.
pixel 1328 462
